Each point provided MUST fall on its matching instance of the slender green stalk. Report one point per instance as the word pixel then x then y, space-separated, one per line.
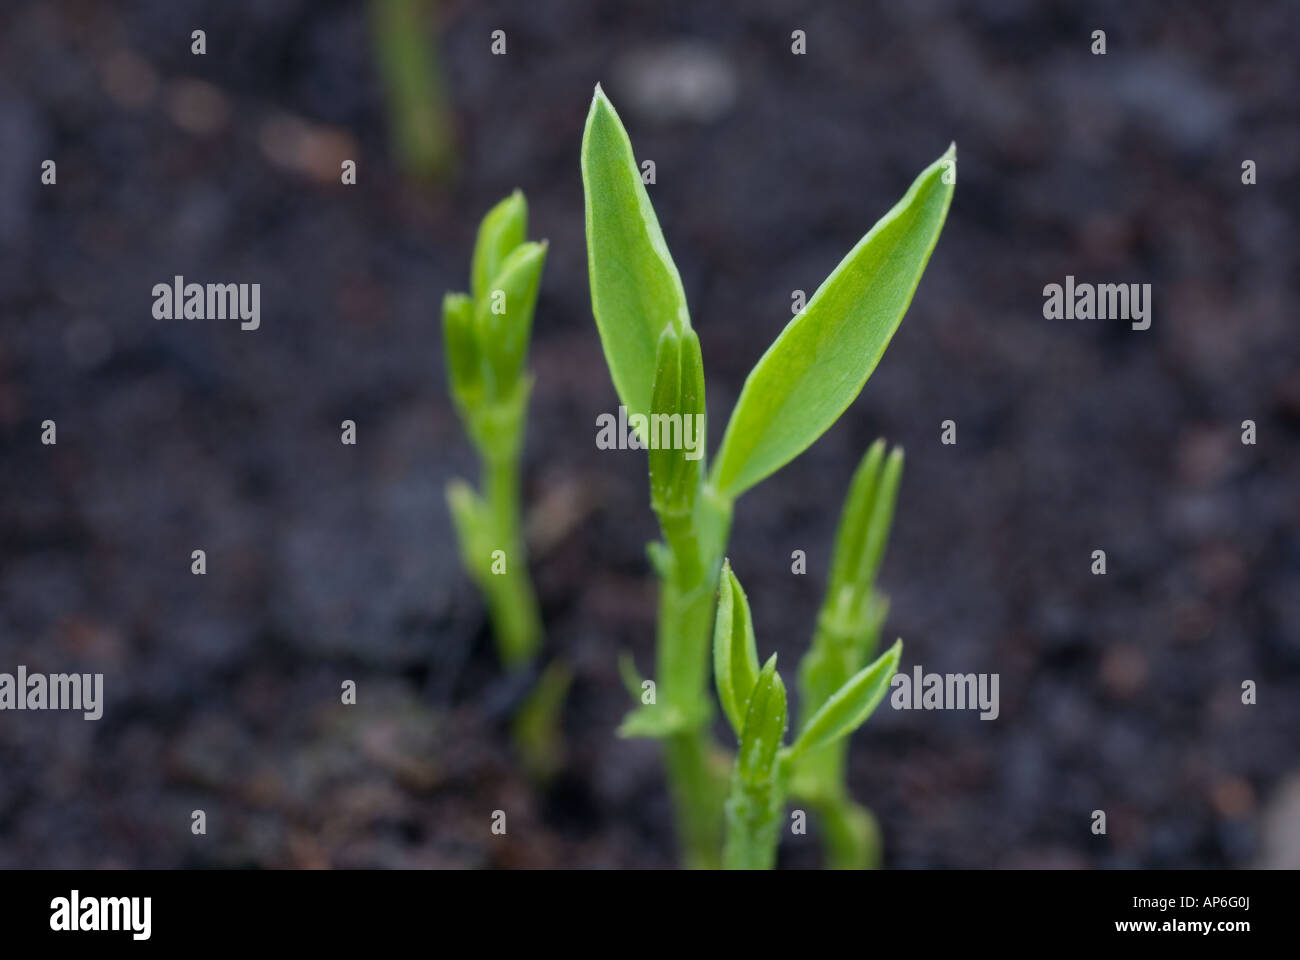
pixel 516 620
pixel 847 634
pixel 418 111
pixel 696 765
pixel 536 727
pixel 695 522
pixel 493 552
pixel 697 782
pixel 850 833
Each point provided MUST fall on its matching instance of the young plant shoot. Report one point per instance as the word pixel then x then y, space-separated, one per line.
pixel 845 638
pixel 755 704
pixel 485 339
pixel 410 65
pixel 806 379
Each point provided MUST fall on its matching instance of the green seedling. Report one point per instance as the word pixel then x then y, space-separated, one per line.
pixel 798 389
pixel 755 704
pixel 419 114
pixel 485 339
pixel 846 637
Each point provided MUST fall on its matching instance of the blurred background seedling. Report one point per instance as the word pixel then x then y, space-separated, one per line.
pixel 406 43
pixel 485 341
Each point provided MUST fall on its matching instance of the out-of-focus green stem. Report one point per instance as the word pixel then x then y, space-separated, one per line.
pixel 537 730
pixel 697 781
pixel 489 528
pixel 512 604
pixel 418 111
pixel 850 833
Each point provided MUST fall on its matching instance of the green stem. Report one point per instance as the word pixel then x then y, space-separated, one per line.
pixel 512 605
pixel 537 726
pixel 850 834
pixel 754 815
pixel 419 113
pixel 753 825
pixel 697 783
pixel 697 767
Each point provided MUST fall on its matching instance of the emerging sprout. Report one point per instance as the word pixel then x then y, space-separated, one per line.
pixel 846 636
pixel 798 389
pixel 485 340
pixel 756 708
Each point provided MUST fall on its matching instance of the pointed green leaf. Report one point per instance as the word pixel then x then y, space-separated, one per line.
pixel 504 335
pixel 635 290
pixel 848 708
pixel 690 405
pixel 854 518
pixel 503 228
pixel 881 518
pixel 864 526
pixel 664 397
pixel 764 727
pixel 692 395
pixel 676 428
pixel 735 656
pixel 460 350
pixel 822 359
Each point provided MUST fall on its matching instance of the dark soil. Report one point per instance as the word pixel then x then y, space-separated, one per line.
pixel 329 563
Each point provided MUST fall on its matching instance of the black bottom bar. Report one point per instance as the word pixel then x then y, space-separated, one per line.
pixel 436 910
